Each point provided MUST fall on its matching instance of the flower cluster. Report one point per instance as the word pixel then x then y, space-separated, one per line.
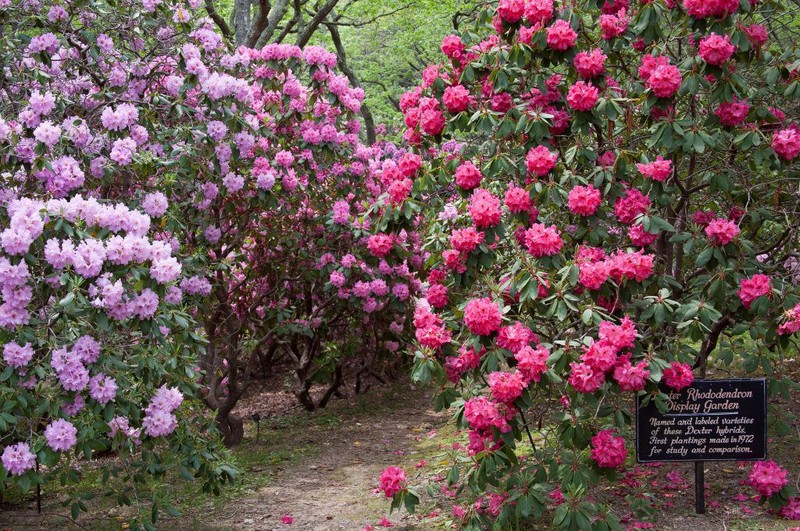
pixel 767 477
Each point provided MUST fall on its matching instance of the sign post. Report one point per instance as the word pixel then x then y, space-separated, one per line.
pixel 711 420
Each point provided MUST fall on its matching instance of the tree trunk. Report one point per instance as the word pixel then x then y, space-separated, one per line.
pixel 369 121
pixel 241 20
pixel 231 427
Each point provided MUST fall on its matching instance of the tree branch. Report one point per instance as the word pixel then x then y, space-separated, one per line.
pixel 369 121
pixel 304 37
pixel 218 20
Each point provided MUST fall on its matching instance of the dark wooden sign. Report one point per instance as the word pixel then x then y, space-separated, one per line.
pixel 712 420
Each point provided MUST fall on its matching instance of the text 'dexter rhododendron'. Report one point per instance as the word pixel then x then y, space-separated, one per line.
pixel 616 183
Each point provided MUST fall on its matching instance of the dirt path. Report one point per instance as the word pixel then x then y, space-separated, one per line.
pixel 333 490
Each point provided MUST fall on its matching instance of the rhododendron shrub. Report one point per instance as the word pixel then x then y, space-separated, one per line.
pixel 243 169
pixel 611 209
pixel 96 355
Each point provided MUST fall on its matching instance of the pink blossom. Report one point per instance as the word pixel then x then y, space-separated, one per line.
pixel 540 160
pixel 561 36
pixel 631 377
pixel 584 378
pixel 515 337
pixel 754 287
pixel 600 356
pixel 590 64
pixel 786 143
pixel 631 205
pixel 18 459
pixel 380 245
pixel 456 99
pixel 678 375
pixel 584 200
pixel 468 176
pixel 483 414
pixel 482 316
pixel 716 49
pixel 484 208
pixel 607 450
pixel 658 170
pixel 61 435
pixel 767 477
pixel 732 113
pixel 507 387
pixel 393 480
pixel 582 96
pixel 541 240
pixel 613 25
pixel 532 363
pixel 511 11
pixel 721 231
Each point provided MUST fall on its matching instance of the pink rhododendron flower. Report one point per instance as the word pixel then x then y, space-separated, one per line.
pixel 641 237
pixel 732 113
pixel 507 387
pixel 538 12
pixel 786 143
pixel 561 36
pixel 678 375
pixel 484 208
pixel 517 200
pixel 791 325
pixel 607 450
pixel 515 337
pixel 620 336
pixel 483 414
pixel 600 356
pixel 582 96
pixel 511 11
pixel 613 25
pixel 532 363
pixel 393 480
pixel 61 435
pixel 466 240
pixel 712 8
pixel 658 170
pixel 661 77
pixel 541 240
pixel 592 275
pixel 468 176
pixel 456 99
pixel 791 511
pixel 767 477
pixel 584 200
pixel 453 47
pixel 432 122
pixel 18 459
pixel 754 287
pixel 716 49
pixel 631 377
pixel 721 231
pixel 756 34
pixel 540 161
pixel 590 64
pixel 482 316
pixel 584 378
pixel 287 519
pixel 437 296
pixel 631 205
pixel 380 245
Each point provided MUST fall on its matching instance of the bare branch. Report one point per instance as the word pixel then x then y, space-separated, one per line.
pixel 218 20
pixel 321 15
